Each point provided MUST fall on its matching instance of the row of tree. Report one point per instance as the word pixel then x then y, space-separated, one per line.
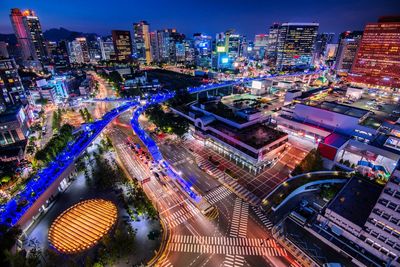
pixel 56 122
pixel 86 116
pixel 56 144
pixel 312 162
pixel 167 122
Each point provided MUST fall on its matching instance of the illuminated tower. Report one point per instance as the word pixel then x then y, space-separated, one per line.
pixel 141 31
pixel 272 47
pixel 29 34
pixel 295 45
pixel 377 63
pixel 11 88
pixel 122 45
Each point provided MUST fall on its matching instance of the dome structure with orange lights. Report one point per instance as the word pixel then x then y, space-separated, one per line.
pixel 82 226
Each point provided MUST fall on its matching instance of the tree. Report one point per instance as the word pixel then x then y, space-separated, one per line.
pixel 56 144
pixel 167 122
pixel 8 237
pixel 312 162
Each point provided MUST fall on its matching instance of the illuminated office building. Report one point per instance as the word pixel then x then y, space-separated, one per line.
pixel 107 48
pixel 122 45
pixel 79 51
pixel 272 47
pixel 229 47
pixel 141 31
pixel 347 50
pixel 165 43
pixel 11 88
pixel 346 54
pixel 4 50
pixel 377 63
pixel 295 45
pixel 29 34
pixel 154 47
pixel 94 49
pixel 202 49
pixel 260 45
pixel 321 42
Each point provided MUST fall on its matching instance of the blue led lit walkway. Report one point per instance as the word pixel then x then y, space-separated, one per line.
pixel 10 213
pixel 153 148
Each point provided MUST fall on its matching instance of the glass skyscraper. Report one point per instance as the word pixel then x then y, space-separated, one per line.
pixel 295 45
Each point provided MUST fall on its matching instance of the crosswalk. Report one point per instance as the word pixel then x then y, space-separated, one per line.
pixel 220 175
pixel 218 194
pixel 181 216
pixel 239 219
pixel 267 223
pixel 164 263
pixel 233 261
pixel 133 167
pixel 225 246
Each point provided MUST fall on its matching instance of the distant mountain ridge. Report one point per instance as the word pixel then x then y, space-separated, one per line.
pixel 54 35
pixel 59 34
pixel 8 38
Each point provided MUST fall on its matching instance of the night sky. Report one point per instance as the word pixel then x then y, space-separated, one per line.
pixel 248 17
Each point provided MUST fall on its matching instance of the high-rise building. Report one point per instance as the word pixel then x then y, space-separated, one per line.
pixel 321 42
pixel 189 51
pixel 346 53
pixel 94 49
pixel 11 88
pixel 272 49
pixel 165 44
pixel 260 45
pixel 202 45
pixel 29 34
pixel 220 56
pixel 154 47
pixel 330 52
pixel 377 63
pixel 59 55
pixel 229 47
pixel 79 51
pixel 141 31
pixel 295 45
pixel 122 45
pixel 107 48
pixel 4 50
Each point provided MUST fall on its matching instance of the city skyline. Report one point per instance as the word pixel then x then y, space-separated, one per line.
pixel 245 19
pixel 253 142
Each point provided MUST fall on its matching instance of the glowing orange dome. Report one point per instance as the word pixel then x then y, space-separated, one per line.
pixel 82 226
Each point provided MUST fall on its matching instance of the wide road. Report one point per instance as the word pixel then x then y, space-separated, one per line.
pixel 231 236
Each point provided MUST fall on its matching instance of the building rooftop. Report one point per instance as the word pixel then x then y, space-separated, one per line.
pixel 356 200
pixel 343 109
pixel 335 140
pixel 223 111
pixel 256 136
pixel 9 114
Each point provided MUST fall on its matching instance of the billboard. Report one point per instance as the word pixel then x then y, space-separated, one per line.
pixel 257 84
pixel 221 49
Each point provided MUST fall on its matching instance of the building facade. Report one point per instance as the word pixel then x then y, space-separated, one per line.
pixel 122 45
pixel 296 45
pixel 141 32
pixel 12 90
pixel 377 63
pixel 346 54
pixel 28 31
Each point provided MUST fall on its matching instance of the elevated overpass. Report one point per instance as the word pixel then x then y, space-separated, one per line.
pixel 31 201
